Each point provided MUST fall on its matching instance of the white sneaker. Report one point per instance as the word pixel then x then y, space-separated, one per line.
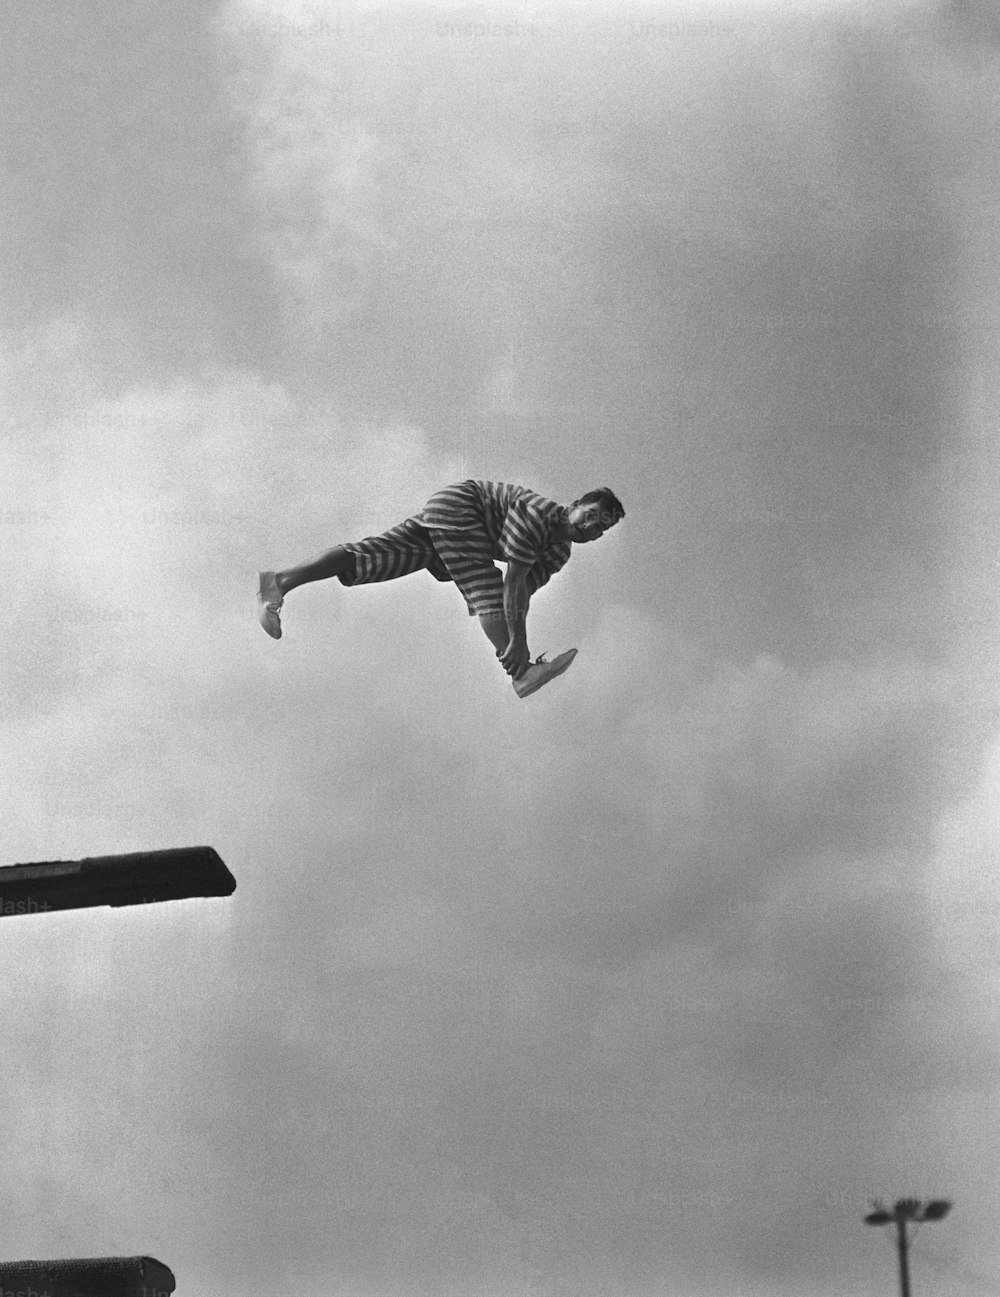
pixel 269 601
pixel 541 672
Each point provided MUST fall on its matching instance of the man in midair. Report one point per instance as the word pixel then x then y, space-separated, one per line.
pixel 458 536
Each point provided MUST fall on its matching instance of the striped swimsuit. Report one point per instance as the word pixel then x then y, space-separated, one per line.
pixel 459 535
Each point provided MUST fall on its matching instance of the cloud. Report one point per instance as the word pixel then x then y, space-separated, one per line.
pixel 547 953
pixel 740 266
pixel 524 994
pixel 310 167
pixel 136 527
pixel 727 779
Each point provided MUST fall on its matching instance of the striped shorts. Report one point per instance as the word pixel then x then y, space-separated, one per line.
pixel 462 556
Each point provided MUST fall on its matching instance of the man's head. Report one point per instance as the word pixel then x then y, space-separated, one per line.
pixel 594 512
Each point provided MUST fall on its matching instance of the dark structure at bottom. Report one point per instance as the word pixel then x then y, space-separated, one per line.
pixel 105 1276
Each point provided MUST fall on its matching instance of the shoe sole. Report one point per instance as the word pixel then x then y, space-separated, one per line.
pixel 557 670
pixel 275 632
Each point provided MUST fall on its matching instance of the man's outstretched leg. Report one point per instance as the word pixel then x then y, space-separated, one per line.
pixel 397 552
pixel 273 586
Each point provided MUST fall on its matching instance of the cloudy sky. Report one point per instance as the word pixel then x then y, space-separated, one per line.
pixel 648 984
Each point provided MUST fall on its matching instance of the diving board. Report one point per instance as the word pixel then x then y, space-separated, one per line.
pixel 139 878
pixel 113 1276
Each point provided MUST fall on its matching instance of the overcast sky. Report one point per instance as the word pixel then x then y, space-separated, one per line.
pixel 645 985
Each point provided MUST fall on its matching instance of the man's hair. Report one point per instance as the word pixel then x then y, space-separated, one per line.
pixel 611 506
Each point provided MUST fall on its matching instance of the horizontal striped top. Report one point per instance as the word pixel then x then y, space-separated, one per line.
pixel 521 525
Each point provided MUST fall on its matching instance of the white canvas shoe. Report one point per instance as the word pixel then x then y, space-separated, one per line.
pixel 541 672
pixel 269 601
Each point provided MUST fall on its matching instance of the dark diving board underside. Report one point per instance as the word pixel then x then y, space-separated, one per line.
pixel 140 878
pixel 113 1276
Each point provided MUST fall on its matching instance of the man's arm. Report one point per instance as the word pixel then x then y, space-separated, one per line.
pixel 516 657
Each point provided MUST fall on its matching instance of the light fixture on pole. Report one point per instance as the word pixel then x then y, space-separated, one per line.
pixel 906 1212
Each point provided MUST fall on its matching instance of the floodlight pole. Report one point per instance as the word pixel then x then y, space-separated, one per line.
pixel 901 1215
pixel 903 1245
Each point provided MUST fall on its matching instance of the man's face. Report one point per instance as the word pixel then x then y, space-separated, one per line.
pixel 585 522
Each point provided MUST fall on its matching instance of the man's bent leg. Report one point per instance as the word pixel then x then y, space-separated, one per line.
pixel 495 626
pixel 467 558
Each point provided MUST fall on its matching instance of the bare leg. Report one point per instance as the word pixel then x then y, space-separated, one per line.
pixel 495 626
pixel 332 562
